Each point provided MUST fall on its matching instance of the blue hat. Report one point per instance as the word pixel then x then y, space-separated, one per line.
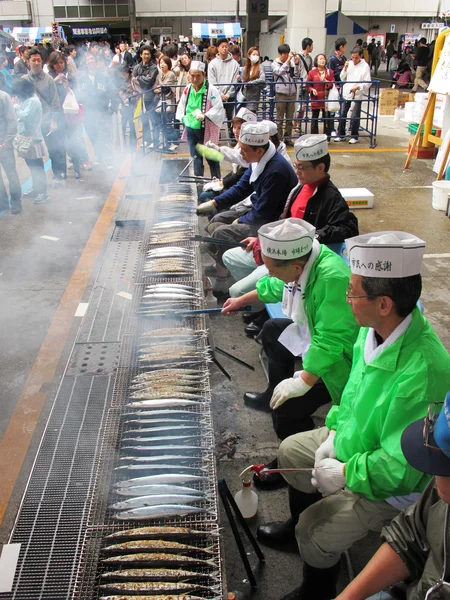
pixel 435 457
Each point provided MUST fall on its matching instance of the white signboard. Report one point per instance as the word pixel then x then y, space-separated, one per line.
pixel 435 25
pixel 440 82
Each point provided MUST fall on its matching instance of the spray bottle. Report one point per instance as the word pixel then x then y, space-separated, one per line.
pixel 210 300
pixel 246 498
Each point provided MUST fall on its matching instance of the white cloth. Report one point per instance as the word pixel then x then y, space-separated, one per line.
pixel 371 348
pixel 359 72
pixel 297 337
pixel 215 114
pixel 233 155
pixel 258 167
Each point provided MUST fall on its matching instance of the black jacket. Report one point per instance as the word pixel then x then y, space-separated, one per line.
pixel 99 95
pixel 328 212
pixel 146 76
pixel 231 178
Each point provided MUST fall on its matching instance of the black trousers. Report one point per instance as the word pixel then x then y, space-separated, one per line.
pixel 36 166
pixel 354 121
pixel 327 121
pixel 294 415
pixel 8 162
pixel 221 228
pixel 194 137
pixel 56 146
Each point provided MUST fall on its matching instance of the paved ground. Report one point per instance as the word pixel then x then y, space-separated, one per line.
pixel 34 274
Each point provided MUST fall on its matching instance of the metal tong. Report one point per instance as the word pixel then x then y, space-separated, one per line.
pixel 210 240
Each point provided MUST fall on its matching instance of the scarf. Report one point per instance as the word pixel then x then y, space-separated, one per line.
pixel 371 348
pixel 297 337
pixel 258 168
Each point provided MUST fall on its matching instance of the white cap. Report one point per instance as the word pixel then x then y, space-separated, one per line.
pixel 197 65
pixel 246 115
pixel 385 254
pixel 311 147
pixel 272 127
pixel 254 134
pixel 286 239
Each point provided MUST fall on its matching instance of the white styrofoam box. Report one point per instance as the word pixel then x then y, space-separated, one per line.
pixel 357 197
pixel 420 98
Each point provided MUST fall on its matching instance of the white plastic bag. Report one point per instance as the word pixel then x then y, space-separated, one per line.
pixel 333 104
pixel 70 105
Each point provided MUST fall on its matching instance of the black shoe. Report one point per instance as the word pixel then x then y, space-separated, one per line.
pixel 279 535
pixel 248 317
pixel 253 330
pixel 77 175
pixel 259 401
pixel 16 208
pixel 29 194
pixel 319 584
pixel 271 481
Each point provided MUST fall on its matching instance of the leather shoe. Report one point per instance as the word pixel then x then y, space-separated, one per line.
pixel 279 535
pixel 259 401
pixel 248 317
pixel 253 330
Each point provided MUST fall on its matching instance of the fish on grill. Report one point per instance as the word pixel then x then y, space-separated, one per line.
pixel 157 558
pixel 136 465
pixel 169 427
pixel 155 546
pixel 153 587
pixel 157 532
pixel 154 575
pixel 156 490
pixel 164 403
pixel 163 511
pixel 158 416
pixel 155 500
pixel 158 597
pixel 161 478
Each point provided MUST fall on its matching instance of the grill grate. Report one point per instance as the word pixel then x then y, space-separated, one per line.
pixel 94 358
pixel 128 231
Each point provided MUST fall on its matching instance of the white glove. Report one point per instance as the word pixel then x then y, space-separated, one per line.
pixel 326 449
pixel 211 145
pixel 328 476
pixel 199 115
pixel 206 208
pixel 210 185
pixel 289 388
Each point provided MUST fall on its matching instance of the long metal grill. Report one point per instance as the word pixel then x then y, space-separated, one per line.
pixel 64 518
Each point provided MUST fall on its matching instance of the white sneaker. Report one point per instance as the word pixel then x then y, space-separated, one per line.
pixel 333 134
pixel 353 141
pixel 338 139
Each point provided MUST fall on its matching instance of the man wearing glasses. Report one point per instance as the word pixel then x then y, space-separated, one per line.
pixel 416 545
pixel 360 478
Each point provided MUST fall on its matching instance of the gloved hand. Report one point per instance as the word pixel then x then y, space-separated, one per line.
pixel 326 449
pixel 206 208
pixel 210 185
pixel 211 145
pixel 199 115
pixel 328 476
pixel 289 388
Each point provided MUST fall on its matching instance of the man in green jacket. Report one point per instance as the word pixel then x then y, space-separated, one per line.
pixel 399 365
pixel 415 545
pixel 319 333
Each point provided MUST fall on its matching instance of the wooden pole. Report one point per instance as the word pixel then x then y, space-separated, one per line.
pixel 419 129
pixel 444 161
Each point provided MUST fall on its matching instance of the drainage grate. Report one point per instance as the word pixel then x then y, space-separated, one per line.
pixel 95 358
pixel 128 231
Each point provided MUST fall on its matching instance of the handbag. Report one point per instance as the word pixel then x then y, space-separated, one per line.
pixel 333 104
pixel 22 144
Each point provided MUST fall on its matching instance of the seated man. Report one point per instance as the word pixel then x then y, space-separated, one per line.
pixel 415 542
pixel 312 287
pixel 315 199
pixel 399 363
pixel 268 180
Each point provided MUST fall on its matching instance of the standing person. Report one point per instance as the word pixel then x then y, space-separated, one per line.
pixel 223 72
pixel 165 82
pixel 125 57
pixel 319 88
pixel 394 63
pixel 201 110
pixel 390 51
pixel 21 66
pixel 336 63
pixel 210 54
pixel 29 113
pixel 183 76
pixel 421 65
pixel 99 98
pixel 355 69
pixel 51 114
pixel 143 80
pixel 285 70
pixel 71 54
pixel 375 58
pixel 126 94
pixel 253 79
pixel 4 71
pixel 305 64
pixel 8 130
pixel 370 49
pixel 361 479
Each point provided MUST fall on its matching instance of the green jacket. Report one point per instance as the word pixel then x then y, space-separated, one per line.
pixel 417 536
pixel 379 401
pixel 331 323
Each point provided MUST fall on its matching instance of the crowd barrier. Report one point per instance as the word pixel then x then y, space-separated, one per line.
pixel 302 117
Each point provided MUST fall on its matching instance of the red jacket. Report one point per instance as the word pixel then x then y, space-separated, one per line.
pixel 322 88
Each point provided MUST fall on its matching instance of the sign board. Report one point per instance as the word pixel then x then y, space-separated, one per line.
pixel 55 31
pixel 440 82
pixel 393 28
pixel 433 25
pixel 379 37
pixel 84 31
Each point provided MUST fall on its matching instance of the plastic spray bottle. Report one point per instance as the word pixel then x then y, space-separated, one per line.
pixel 246 498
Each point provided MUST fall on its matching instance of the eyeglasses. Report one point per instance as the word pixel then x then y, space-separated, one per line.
pixel 348 291
pixel 301 169
pixel 434 410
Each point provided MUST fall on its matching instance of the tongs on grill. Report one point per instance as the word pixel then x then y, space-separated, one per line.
pixel 210 240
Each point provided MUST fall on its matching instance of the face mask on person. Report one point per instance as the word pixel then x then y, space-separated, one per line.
pixel 254 59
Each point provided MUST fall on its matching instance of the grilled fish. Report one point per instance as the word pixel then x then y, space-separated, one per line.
pixel 158 532
pixel 161 478
pixel 153 575
pixel 155 500
pixel 158 597
pixel 157 489
pixel 154 546
pixel 162 511
pixel 163 403
pixel 153 587
pixel 158 558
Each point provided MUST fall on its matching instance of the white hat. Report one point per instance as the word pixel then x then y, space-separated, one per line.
pixel 286 239
pixel 386 254
pixel 311 147
pixel 254 134
pixel 272 127
pixel 197 65
pixel 246 115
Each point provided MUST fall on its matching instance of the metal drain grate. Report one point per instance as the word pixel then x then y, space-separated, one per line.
pixel 128 231
pixel 94 358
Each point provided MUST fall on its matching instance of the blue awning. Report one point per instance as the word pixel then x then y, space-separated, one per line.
pixel 216 30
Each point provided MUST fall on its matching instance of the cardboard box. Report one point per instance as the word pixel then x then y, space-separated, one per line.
pixel 387 110
pixel 388 94
pixel 357 197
